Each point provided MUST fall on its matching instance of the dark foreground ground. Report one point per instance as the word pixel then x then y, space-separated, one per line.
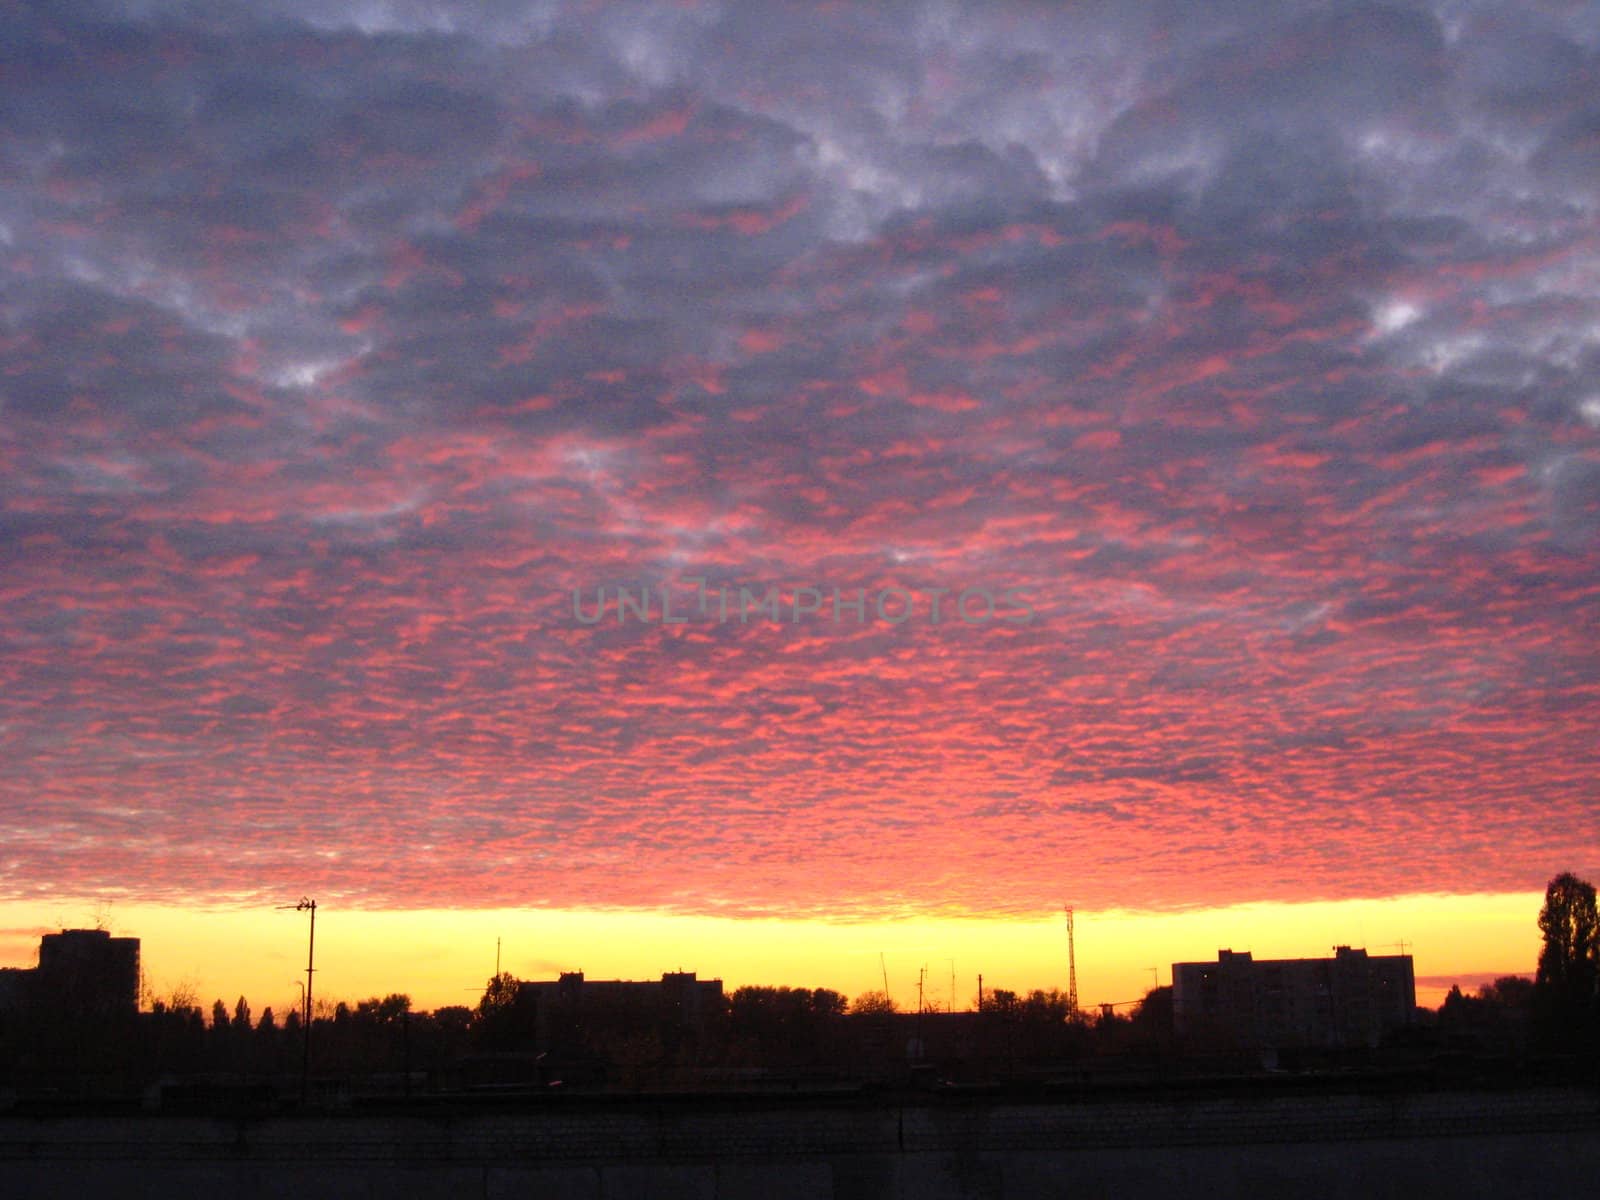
pixel 1342 1140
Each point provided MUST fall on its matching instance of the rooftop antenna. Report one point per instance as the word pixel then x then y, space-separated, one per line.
pixel 1072 967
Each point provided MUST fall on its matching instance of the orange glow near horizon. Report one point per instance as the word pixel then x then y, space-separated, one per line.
pixel 444 957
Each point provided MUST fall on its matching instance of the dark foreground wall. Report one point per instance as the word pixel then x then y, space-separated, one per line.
pixel 1459 1144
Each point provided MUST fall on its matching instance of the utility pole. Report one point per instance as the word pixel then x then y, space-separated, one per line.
pixel 922 976
pixel 311 953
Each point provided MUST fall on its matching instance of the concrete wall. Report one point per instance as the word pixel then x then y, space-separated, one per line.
pixel 1460 1144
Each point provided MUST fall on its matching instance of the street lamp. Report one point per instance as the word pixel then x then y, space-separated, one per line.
pixel 311 949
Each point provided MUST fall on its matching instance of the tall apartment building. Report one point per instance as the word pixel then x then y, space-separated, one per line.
pixel 81 973
pixel 1350 1000
pixel 88 971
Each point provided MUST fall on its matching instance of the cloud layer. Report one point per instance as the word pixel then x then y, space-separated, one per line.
pixel 1257 348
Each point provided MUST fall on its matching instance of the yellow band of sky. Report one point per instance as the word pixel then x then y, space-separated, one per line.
pixel 443 957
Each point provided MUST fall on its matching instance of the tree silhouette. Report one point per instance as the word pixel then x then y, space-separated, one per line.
pixel 497 1023
pixel 1495 1021
pixel 1003 1001
pixel 385 1010
pixel 1567 987
pixel 783 1026
pixel 873 1003
pixel 1047 1007
pixel 499 994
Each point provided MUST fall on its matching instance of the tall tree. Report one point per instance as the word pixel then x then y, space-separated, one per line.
pixel 495 1023
pixel 498 995
pixel 1569 961
pixel 1567 987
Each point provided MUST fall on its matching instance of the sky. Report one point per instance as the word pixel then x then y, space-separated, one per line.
pixel 741 478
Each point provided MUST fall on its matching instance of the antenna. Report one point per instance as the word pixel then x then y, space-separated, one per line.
pixel 884 967
pixel 1072 968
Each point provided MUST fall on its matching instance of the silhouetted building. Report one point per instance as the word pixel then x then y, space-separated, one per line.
pixel 16 984
pixel 87 972
pixel 1350 1000
pixel 678 1002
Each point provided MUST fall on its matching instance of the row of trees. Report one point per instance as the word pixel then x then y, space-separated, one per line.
pixel 379 1034
pixel 810 1029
